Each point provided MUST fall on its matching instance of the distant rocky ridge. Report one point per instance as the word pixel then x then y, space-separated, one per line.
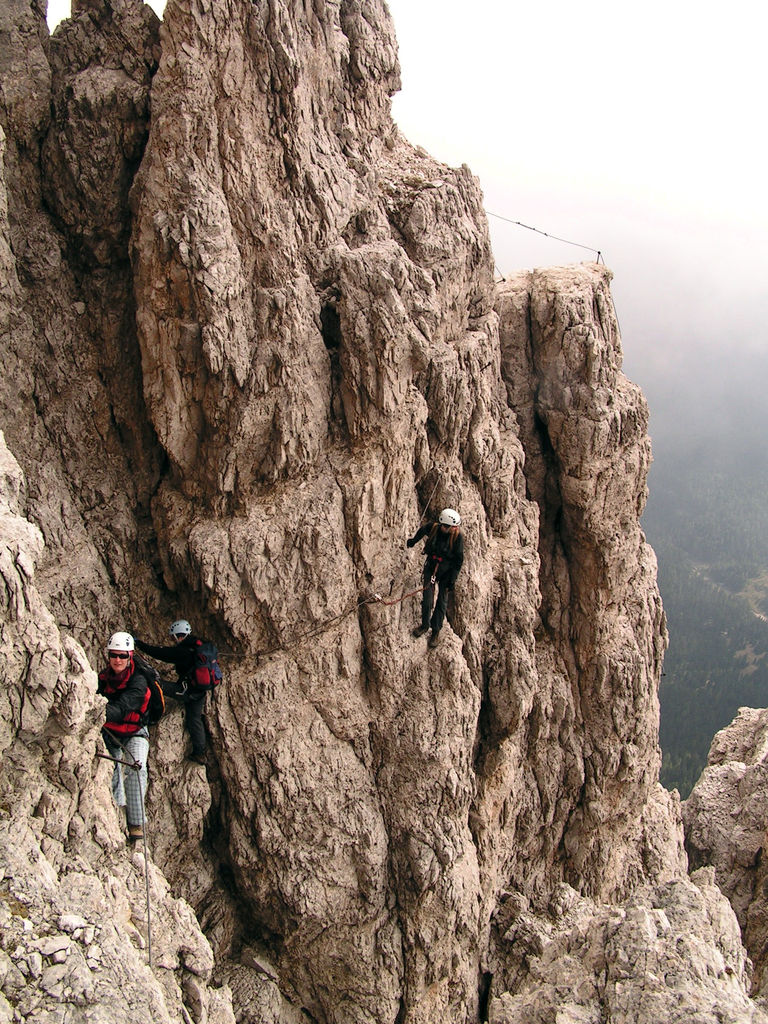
pixel 725 819
pixel 251 337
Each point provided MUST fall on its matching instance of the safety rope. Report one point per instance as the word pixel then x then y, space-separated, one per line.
pixel 324 626
pixel 378 599
pixel 546 234
pixel 375 599
pixel 328 623
pixel 135 765
pixel 429 499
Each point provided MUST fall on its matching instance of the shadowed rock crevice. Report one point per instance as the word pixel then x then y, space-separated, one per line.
pixel 332 337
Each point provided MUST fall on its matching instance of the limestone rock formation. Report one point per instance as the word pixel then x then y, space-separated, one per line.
pixel 670 953
pixel 725 825
pixel 252 340
pixel 73 905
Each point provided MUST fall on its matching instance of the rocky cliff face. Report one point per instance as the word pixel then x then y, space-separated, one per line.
pixel 251 340
pixel 725 824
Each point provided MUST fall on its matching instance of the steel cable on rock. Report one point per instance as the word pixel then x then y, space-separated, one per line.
pixel 328 623
pixel 546 234
pixel 135 765
pixel 374 599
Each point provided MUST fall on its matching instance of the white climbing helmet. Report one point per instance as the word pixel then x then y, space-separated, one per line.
pixel 180 628
pixel 122 642
pixel 449 517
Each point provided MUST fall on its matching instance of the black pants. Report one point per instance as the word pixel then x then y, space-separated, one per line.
pixel 434 618
pixel 194 705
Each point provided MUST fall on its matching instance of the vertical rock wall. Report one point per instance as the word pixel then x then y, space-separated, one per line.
pixel 72 405
pixel 257 341
pixel 583 427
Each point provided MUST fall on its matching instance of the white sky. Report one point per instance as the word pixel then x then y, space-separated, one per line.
pixel 638 130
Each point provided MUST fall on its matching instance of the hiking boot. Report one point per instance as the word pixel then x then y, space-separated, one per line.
pixel 135 833
pixel 420 630
pixel 434 640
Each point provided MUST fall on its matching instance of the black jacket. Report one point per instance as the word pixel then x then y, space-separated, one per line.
pixel 180 655
pixel 445 556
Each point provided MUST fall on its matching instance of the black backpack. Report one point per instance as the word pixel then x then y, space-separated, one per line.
pixel 206 672
pixel 156 707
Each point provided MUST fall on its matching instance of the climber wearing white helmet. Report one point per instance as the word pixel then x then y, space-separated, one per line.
pixel 125 730
pixel 182 656
pixel 444 552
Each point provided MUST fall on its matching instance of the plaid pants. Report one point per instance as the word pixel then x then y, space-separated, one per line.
pixel 129 785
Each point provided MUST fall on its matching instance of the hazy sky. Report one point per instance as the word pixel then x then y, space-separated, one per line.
pixel 635 130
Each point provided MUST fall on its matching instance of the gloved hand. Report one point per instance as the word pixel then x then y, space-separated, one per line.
pixel 410 542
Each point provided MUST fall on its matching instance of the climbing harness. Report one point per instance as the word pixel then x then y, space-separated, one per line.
pixel 136 766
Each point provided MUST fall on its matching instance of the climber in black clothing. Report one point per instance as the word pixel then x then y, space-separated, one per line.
pixel 445 556
pixel 193 698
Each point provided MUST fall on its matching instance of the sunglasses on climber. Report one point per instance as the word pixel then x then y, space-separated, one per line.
pixel 115 656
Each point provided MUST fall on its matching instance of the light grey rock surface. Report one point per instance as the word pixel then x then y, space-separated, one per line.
pixel 725 826
pixel 252 339
pixel 77 912
pixel 670 953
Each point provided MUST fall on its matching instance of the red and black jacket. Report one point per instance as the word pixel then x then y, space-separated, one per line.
pixel 128 695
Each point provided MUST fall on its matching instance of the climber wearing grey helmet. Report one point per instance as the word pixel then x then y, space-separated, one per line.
pixel 182 657
pixel 444 552
pixel 179 629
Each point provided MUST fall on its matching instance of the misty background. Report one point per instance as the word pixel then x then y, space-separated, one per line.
pixel 637 133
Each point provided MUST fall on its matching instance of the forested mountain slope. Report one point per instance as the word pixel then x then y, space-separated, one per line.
pixel 707 519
